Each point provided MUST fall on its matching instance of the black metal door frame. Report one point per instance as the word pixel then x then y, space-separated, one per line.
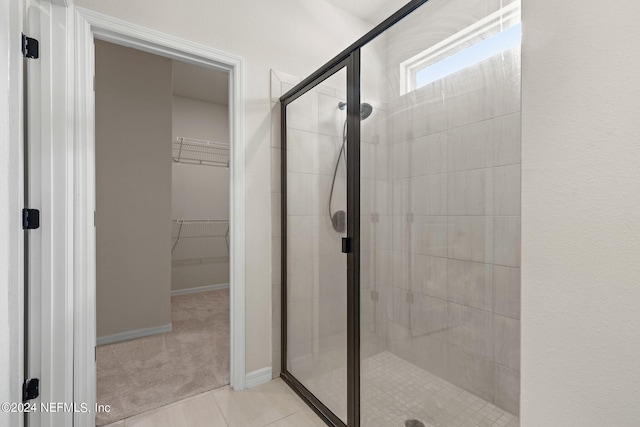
pixel 349 58
pixel 353 233
pixel 351 64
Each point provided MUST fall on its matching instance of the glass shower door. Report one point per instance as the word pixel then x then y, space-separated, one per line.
pixel 440 218
pixel 315 267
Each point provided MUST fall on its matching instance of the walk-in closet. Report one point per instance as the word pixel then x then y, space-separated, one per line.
pixel 162 230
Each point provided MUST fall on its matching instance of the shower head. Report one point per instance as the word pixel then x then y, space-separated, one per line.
pixel 365 109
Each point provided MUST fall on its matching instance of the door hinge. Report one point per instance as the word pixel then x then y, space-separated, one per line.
pixel 30 47
pixel 30 219
pixel 30 389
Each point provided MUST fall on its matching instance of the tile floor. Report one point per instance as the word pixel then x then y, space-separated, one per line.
pixel 273 404
pixel 393 391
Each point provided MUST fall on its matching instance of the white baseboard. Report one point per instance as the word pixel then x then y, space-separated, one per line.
pixel 136 333
pixel 258 377
pixel 199 289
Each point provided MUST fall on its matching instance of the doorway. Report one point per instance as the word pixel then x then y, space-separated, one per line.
pixel 88 27
pixel 162 230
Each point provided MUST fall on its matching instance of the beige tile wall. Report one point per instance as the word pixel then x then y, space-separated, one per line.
pixel 450 302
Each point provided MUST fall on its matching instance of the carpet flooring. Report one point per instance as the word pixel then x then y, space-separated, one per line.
pixel 147 373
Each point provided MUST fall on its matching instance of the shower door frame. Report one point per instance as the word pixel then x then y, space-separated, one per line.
pixel 352 66
pixel 349 59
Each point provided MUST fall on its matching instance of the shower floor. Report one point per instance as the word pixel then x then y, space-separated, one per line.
pixel 394 390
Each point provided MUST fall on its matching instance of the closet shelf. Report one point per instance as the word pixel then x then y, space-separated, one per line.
pixel 200 152
pixel 199 241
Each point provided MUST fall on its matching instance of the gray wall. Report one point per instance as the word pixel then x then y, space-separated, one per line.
pixel 133 189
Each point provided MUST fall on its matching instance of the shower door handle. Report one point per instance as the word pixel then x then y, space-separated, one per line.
pixel 346 245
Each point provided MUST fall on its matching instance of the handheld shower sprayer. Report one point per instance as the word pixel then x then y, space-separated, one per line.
pixel 339 218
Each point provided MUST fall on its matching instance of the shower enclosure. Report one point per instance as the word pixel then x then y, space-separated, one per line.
pixel 401 222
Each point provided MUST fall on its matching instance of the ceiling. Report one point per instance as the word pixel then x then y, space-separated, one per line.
pixel 374 11
pixel 202 83
pixel 210 85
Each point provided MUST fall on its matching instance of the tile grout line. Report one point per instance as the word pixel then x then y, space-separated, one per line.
pixel 286 416
pixel 213 396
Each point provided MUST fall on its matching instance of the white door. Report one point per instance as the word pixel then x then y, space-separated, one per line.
pixel 33 237
pixel 48 324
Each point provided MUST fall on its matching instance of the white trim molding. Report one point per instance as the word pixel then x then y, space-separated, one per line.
pixel 136 333
pixel 11 187
pixel 199 289
pixel 84 26
pixel 82 175
pixel 258 377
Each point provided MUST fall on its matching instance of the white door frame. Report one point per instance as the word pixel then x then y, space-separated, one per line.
pixel 11 187
pixel 85 26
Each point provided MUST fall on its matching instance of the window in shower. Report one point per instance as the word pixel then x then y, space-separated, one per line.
pixel 499 31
